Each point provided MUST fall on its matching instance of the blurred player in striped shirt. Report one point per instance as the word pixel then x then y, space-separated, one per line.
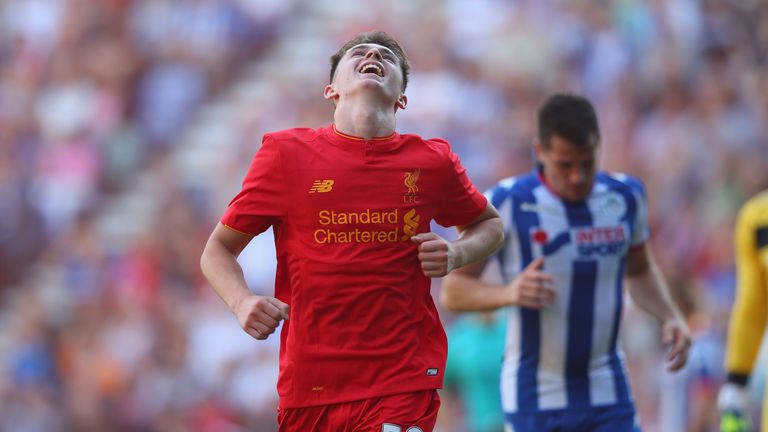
pixel 573 236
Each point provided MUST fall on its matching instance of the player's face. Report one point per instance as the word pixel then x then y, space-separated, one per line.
pixel 369 67
pixel 569 169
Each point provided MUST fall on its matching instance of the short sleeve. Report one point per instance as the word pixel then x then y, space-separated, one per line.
pixel 501 197
pixel 461 202
pixel 262 199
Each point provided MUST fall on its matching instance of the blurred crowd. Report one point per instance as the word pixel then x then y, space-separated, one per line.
pixel 127 125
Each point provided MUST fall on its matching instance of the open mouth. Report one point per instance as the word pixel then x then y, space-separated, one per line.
pixel 372 68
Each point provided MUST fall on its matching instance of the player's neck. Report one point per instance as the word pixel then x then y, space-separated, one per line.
pixel 364 120
pixel 543 179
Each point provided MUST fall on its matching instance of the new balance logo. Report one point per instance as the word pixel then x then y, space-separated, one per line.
pixel 321 186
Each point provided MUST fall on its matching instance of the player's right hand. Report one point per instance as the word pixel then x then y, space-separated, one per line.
pixel 259 316
pixel 732 402
pixel 532 288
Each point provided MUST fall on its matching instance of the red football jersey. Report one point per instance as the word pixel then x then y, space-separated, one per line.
pixel 363 323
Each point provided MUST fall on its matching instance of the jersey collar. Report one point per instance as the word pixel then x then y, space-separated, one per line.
pixel 539 172
pixel 346 140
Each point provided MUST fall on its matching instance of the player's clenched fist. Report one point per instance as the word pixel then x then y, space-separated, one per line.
pixel 259 316
pixel 437 255
pixel 532 288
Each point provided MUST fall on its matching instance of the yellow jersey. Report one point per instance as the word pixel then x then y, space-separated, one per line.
pixel 750 311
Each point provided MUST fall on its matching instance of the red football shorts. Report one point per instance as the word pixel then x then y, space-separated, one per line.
pixel 406 412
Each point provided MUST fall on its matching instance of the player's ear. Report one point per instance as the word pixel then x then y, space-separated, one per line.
pixel 537 148
pixel 402 101
pixel 330 93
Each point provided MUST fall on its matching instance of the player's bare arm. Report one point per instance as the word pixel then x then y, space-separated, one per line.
pixel 476 241
pixel 258 316
pixel 649 290
pixel 463 290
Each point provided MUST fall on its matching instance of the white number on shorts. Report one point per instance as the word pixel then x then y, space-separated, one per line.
pixel 388 427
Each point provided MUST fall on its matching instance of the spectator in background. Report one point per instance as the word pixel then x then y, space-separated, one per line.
pixel 87 349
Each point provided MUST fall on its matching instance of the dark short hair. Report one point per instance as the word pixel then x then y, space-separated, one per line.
pixel 568 116
pixel 379 38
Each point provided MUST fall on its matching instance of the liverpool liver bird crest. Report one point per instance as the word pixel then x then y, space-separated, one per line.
pixel 410 180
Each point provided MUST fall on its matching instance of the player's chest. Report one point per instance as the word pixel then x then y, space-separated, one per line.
pixel 577 234
pixel 356 185
pixel 353 203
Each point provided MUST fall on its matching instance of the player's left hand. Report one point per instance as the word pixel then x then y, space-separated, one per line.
pixel 677 337
pixel 437 255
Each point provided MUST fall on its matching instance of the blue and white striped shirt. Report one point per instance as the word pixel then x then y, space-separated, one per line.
pixel 565 356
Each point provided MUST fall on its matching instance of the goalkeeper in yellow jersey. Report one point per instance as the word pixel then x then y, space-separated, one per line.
pixel 748 318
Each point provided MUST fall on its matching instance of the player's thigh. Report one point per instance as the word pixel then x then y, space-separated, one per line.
pixel 533 422
pixel 615 420
pixel 407 412
pixel 587 420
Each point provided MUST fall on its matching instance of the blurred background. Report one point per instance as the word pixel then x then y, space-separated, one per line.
pixel 126 126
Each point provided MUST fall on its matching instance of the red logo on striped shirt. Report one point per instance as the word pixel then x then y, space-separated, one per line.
pixel 540 236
